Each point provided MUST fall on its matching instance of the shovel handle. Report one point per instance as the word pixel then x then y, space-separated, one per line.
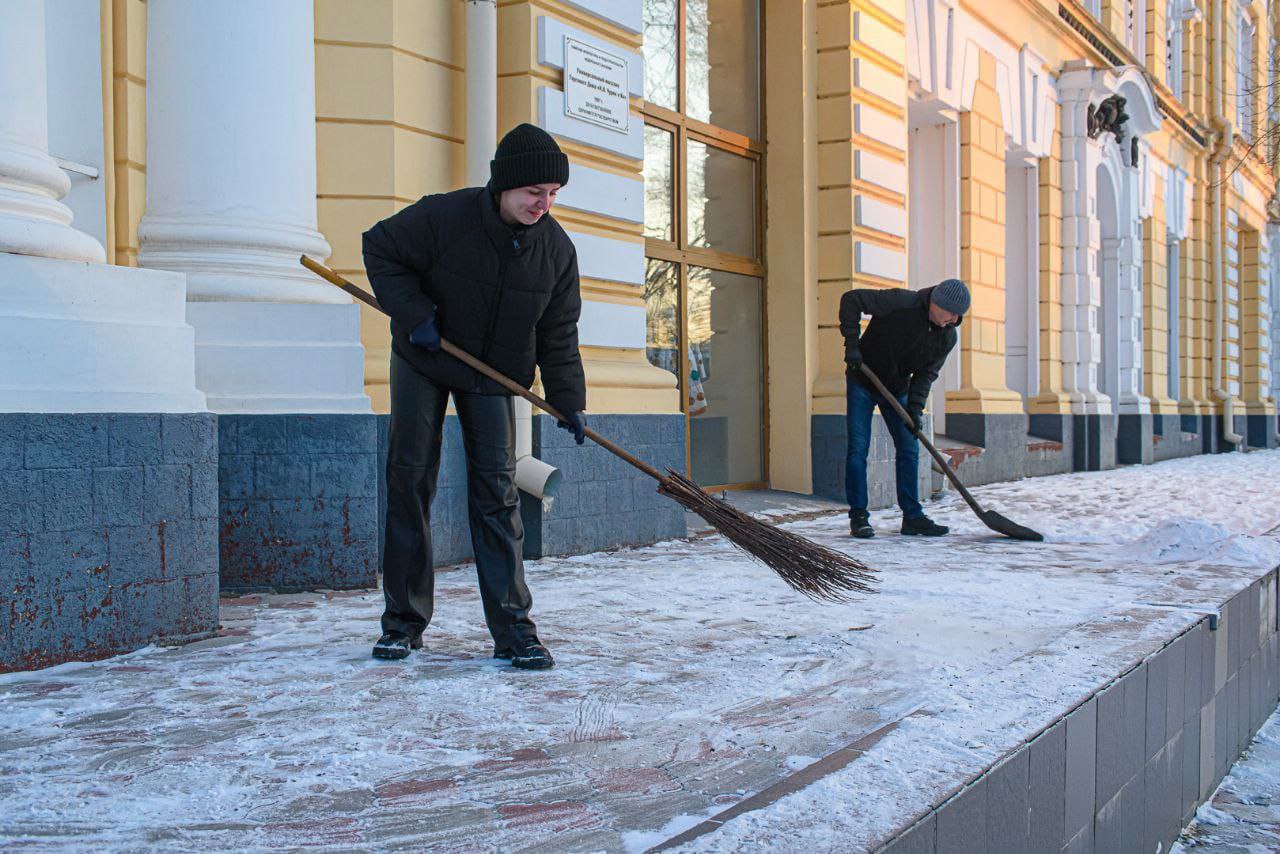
pixel 475 364
pixel 942 463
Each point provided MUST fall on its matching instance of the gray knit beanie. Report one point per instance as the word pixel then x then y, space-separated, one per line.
pixel 951 295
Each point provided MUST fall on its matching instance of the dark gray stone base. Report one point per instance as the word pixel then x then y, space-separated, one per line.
pixel 1049 439
pixel 1260 431
pixel 1172 439
pixel 298 496
pixel 1003 439
pixel 603 501
pixel 1134 440
pixel 1093 446
pixel 830 449
pixel 1127 768
pixel 108 534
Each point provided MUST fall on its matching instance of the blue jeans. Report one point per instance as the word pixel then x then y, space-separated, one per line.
pixel 862 403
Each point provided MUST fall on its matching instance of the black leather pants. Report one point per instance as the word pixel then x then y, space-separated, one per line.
pixel 493 504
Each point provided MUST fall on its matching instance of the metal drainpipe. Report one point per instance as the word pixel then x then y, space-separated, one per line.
pixel 532 474
pixel 1223 138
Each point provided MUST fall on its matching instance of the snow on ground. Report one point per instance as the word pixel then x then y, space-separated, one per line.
pixel 688 678
pixel 1243 815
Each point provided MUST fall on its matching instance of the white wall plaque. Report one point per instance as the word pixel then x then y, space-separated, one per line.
pixel 595 86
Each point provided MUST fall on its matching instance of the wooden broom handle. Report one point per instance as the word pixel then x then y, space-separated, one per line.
pixel 472 362
pixel 942 463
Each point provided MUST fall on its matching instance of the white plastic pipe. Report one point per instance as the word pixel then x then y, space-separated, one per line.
pixel 482 88
pixel 1225 137
pixel 532 474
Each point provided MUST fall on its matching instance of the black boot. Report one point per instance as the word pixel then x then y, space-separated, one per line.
pixel 527 654
pixel 395 645
pixel 923 526
pixel 860 525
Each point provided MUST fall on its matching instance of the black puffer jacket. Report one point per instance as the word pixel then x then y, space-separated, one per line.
pixel 901 346
pixel 506 296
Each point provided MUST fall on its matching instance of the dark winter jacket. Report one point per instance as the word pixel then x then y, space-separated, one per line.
pixel 901 346
pixel 508 296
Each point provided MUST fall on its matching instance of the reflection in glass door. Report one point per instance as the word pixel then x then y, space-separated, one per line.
pixel 704 288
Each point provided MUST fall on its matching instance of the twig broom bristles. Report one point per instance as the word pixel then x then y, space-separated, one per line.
pixel 814 570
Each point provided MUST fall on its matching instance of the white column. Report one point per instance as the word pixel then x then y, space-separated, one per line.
pixel 32 220
pixel 1273 240
pixel 231 202
pixel 1081 285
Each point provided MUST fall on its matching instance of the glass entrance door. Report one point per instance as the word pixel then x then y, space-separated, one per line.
pixel 704 288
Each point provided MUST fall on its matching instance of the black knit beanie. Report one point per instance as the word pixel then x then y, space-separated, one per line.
pixel 527 155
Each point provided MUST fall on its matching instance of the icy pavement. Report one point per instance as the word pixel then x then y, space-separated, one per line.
pixel 689 678
pixel 1244 813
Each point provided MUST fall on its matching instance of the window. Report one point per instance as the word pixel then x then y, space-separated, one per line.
pixel 704 288
pixel 1173 48
pixel 1245 77
pixel 1135 27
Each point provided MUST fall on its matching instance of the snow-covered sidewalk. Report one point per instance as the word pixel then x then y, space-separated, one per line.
pixel 688 679
pixel 1243 815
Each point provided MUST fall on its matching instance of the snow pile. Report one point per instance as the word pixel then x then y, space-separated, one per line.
pixel 1197 541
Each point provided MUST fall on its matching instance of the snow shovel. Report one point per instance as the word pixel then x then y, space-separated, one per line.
pixel 990 518
pixel 816 571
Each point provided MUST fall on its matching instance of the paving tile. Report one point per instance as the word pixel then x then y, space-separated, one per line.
pixel 1175 695
pixel 1009 804
pixel 1047 784
pixel 1132 818
pixel 1134 722
pixel 922 838
pixel 1107 828
pixel 1157 702
pixel 1081 752
pixel 962 821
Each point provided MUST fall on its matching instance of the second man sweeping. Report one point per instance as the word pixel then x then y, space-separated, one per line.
pixel 905 345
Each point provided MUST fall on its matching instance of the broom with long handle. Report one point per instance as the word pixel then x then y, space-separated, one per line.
pixel 990 518
pixel 814 570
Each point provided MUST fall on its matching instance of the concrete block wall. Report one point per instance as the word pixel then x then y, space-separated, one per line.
pixel 603 501
pixel 1135 442
pixel 1093 446
pixel 1171 440
pixel 298 498
pixel 830 448
pixel 1003 439
pixel 1049 439
pixel 108 534
pixel 1126 769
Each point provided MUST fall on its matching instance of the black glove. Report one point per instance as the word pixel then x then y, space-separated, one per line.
pixel 917 418
pixel 426 334
pixel 577 425
pixel 853 358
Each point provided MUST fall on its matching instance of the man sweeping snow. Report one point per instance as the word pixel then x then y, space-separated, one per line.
pixel 492 272
pixel 905 345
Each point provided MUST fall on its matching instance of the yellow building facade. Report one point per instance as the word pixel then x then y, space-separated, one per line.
pixel 780 153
